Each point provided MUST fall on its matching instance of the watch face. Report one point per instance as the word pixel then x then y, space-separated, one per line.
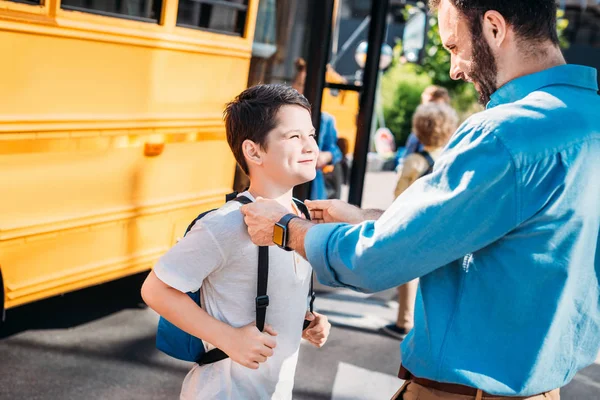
pixel 278 233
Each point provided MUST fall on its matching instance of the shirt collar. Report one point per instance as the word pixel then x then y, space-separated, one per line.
pixel 568 74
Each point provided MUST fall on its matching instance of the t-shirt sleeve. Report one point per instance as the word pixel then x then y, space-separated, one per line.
pixel 191 260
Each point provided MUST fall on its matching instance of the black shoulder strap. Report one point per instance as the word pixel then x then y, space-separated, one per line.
pixel 311 293
pixel 429 160
pixel 228 198
pixel 302 207
pixel 262 300
pixel 191 225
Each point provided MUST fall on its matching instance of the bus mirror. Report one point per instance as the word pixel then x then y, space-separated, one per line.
pixel 415 35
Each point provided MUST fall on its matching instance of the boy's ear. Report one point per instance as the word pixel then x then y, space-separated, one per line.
pixel 252 152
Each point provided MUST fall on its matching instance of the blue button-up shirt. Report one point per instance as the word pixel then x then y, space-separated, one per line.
pixel 505 235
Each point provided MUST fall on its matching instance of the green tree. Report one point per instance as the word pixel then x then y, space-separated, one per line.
pixel 402 84
pixel 401 89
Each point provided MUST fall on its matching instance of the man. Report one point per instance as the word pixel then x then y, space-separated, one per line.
pixel 503 233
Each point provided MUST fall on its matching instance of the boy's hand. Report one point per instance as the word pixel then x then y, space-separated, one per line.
pixel 326 211
pixel 249 346
pixel 318 330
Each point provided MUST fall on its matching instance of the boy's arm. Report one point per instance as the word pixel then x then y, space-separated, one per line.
pixel 246 345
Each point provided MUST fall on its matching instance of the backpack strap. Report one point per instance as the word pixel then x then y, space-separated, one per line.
pixel 429 160
pixel 262 300
pixel 311 293
pixel 302 207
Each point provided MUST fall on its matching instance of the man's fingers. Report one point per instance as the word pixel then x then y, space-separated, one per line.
pixel 318 204
pixel 316 215
pixel 309 316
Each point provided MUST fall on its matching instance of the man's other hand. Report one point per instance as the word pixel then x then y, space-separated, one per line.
pixel 326 211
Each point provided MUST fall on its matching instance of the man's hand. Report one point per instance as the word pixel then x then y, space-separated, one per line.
pixel 260 217
pixel 325 211
pixel 318 330
pixel 249 347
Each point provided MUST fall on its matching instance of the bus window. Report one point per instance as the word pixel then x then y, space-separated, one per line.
pixel 32 2
pixel 144 10
pixel 221 16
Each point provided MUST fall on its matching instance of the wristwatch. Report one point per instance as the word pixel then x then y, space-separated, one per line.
pixel 280 231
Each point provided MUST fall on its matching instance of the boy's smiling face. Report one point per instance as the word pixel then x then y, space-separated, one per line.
pixel 292 151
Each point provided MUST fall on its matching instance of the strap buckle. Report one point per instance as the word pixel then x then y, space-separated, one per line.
pixel 262 301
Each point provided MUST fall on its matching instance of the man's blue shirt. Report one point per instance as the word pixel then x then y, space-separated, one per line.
pixel 505 235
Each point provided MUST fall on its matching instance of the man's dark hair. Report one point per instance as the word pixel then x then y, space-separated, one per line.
pixel 531 19
pixel 253 114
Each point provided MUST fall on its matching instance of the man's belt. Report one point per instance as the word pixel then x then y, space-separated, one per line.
pixel 453 388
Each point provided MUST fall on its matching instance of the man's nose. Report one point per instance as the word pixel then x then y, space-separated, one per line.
pixel 455 71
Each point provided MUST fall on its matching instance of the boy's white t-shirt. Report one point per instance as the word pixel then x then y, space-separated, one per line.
pixel 218 256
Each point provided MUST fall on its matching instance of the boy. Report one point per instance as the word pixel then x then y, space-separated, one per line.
pixel 270 132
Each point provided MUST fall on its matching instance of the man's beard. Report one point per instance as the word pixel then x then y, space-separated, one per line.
pixel 484 70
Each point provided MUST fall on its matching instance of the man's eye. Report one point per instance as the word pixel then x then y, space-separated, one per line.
pixel 313 136
pixel 294 136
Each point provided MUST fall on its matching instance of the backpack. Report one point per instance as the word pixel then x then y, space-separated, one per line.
pixel 429 160
pixel 181 345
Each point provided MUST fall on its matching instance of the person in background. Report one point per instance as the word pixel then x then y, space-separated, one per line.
pixel 433 125
pixel 329 152
pixel 431 94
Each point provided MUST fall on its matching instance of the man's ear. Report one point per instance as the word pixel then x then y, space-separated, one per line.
pixel 252 152
pixel 495 28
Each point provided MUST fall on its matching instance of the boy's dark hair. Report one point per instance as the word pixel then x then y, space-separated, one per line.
pixel 252 115
pixel 531 19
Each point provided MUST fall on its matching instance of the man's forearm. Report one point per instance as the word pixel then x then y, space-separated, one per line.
pixel 297 229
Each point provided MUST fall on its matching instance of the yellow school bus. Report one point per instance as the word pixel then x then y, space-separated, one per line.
pixel 111 133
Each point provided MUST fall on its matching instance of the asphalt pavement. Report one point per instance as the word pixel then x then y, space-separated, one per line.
pixel 98 343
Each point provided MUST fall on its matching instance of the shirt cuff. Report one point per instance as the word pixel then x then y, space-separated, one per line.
pixel 316 244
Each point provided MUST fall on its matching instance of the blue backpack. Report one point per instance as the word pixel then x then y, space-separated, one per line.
pixel 181 345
